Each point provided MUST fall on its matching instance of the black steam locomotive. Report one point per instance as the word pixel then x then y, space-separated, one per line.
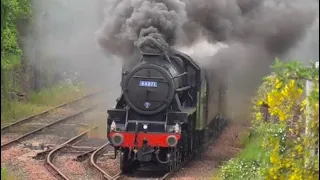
pixel 165 109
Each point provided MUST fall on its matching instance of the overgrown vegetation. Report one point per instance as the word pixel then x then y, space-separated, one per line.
pixel 5 175
pixel 11 12
pixel 20 96
pixel 282 144
pixel 39 101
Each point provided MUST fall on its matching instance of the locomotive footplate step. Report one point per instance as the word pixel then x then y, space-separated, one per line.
pixel 151 168
pixel 147 172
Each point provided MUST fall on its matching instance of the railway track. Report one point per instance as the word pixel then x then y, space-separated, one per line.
pixel 52 154
pixel 55 159
pixel 150 175
pixel 94 154
pixel 93 161
pixel 32 117
pixel 32 145
pixel 171 174
pixel 83 151
pixel 36 123
pixel 142 175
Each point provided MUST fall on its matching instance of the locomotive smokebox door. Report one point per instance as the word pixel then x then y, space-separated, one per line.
pixel 148 89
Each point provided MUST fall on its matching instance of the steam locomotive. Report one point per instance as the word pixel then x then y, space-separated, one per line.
pixel 168 107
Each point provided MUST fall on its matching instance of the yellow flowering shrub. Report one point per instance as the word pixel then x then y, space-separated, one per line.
pixel 283 121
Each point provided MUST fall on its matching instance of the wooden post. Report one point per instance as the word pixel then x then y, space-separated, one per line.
pixel 317 66
pixel 36 56
pixel 309 87
pixel 37 67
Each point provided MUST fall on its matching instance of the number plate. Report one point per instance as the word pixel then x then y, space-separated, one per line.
pixel 148 84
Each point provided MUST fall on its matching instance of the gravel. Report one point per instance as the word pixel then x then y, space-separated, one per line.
pixel 75 170
pixel 224 148
pixel 83 170
pixel 18 160
pixel 111 166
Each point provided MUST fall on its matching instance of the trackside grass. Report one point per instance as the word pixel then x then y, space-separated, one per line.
pixel 37 102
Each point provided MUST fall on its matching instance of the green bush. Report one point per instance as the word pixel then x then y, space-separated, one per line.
pixel 11 12
pixel 280 148
pixel 249 163
pixel 243 169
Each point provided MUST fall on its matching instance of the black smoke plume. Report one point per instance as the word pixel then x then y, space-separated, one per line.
pixel 149 25
pixel 253 31
pixel 155 25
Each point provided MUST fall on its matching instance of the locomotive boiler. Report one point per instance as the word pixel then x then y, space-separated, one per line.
pixel 167 109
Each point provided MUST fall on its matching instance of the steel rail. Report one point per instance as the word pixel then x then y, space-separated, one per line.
pixel 7 144
pixel 27 119
pixel 117 176
pixel 84 155
pixel 93 159
pixel 49 160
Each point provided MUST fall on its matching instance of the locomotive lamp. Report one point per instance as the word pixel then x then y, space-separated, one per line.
pixel 177 128
pixel 113 126
pixel 145 127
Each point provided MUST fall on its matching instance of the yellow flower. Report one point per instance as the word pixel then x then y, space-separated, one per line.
pixel 278 84
pixel 292 83
pixel 259 116
pixel 274 159
pixel 271 171
pixel 285 91
pixel 300 91
pixel 299 148
pixel 282 116
pixel 295 177
pixel 287 164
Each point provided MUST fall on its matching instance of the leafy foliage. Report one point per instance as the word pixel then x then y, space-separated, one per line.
pixel 11 10
pixel 249 163
pixel 281 108
pixel 291 148
pixel 242 169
